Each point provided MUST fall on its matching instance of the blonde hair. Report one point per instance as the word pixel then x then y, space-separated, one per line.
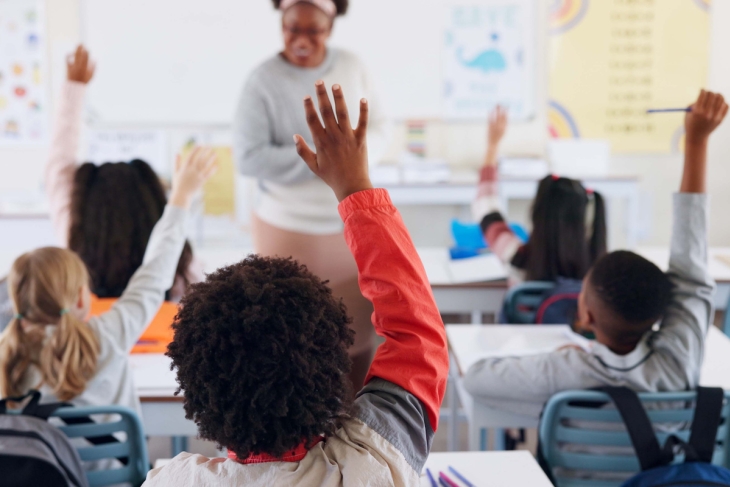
pixel 44 285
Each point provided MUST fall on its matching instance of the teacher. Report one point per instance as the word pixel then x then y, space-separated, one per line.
pixel 295 212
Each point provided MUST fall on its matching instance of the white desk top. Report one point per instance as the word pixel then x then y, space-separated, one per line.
pixel 719 270
pixel 471 343
pixel 442 271
pixel 495 469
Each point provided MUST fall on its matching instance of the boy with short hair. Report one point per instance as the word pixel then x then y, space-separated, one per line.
pixel 261 349
pixel 650 327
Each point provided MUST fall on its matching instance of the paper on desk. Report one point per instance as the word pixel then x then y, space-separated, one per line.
pixel 442 271
pixel 482 268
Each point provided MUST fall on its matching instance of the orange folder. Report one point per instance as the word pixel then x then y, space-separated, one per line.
pixel 158 334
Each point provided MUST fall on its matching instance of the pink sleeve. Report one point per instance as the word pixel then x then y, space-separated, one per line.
pixel 61 166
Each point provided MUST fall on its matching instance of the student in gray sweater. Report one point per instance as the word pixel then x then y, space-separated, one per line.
pixel 650 327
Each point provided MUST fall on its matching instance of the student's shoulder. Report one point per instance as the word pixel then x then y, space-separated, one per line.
pixel 192 469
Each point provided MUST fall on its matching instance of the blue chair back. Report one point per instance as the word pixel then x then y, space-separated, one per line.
pixel 133 447
pixel 726 320
pixel 579 436
pixel 523 301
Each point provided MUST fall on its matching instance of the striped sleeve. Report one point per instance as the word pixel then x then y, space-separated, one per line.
pixel 485 209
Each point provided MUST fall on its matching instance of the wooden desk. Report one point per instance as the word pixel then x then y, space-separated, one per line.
pixel 496 469
pixel 468 344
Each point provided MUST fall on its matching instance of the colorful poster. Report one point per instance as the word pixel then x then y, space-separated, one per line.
pixel 489 59
pixel 611 60
pixel 23 73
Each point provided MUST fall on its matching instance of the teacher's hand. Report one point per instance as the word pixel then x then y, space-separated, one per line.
pixel 341 160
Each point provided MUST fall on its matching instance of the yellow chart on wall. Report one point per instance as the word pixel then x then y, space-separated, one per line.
pixel 219 192
pixel 611 60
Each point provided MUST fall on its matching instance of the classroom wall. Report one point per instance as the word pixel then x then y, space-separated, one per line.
pixel 464 144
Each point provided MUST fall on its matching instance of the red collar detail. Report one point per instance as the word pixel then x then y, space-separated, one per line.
pixel 296 455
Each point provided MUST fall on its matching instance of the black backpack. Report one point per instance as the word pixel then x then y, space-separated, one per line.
pixel 657 469
pixel 32 451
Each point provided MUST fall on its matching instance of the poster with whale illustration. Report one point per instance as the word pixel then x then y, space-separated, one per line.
pixel 489 59
pixel 23 74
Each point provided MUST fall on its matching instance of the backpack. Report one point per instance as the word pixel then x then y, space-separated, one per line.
pixel 32 451
pixel 560 304
pixel 657 469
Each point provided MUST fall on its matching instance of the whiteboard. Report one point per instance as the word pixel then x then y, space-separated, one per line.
pixel 185 61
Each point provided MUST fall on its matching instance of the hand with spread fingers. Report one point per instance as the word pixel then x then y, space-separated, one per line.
pixel 191 173
pixel 341 159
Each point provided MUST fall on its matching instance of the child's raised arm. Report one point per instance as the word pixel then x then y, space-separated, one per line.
pixel 706 115
pixel 414 356
pixel 144 295
pixel 61 166
pixel 685 324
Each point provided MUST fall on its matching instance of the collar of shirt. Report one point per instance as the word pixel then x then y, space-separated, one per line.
pixel 295 455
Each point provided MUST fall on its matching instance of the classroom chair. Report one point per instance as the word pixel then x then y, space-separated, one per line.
pixel 130 446
pixel 577 434
pixel 523 302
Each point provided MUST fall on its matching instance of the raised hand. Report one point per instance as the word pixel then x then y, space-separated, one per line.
pixel 78 66
pixel 191 172
pixel 706 115
pixel 341 160
pixel 497 125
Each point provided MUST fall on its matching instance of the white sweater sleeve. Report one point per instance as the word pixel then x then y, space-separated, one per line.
pixel 145 293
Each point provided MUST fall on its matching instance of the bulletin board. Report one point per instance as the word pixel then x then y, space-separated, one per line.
pixel 611 60
pixel 23 73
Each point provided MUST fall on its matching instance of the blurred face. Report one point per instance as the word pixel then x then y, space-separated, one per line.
pixel 306 31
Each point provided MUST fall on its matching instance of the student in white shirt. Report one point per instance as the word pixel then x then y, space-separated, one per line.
pixel 49 345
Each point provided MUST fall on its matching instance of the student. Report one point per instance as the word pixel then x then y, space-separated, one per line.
pixel 568 222
pixel 650 327
pixel 261 349
pixel 49 346
pixel 104 213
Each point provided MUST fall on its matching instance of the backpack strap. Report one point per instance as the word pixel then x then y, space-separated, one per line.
pixel 33 408
pixel 639 426
pixel 706 421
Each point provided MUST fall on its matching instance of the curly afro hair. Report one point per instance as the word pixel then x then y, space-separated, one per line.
pixel 260 350
pixel 342 5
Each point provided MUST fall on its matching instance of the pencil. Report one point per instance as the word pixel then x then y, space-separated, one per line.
pixel 447 480
pixel 669 110
pixel 430 477
pixel 460 477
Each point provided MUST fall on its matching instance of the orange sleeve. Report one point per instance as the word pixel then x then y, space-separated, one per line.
pixel 391 275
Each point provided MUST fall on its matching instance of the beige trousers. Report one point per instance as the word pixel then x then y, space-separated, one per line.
pixel 328 257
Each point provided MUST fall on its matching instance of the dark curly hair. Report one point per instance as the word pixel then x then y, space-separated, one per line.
pixel 114 208
pixel 342 5
pixel 632 287
pixel 260 350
